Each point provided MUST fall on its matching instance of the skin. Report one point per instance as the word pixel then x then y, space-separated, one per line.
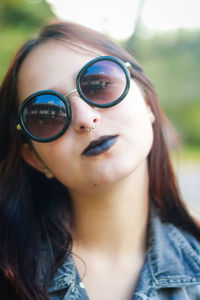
pixel 109 192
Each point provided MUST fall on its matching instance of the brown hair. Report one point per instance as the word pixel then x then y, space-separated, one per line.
pixel 33 208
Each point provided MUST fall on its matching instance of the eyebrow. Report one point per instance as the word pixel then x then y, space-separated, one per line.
pixel 59 90
pixel 62 90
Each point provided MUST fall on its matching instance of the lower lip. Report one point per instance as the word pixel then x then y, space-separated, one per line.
pixel 102 147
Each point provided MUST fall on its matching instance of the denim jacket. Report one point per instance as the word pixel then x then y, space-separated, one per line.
pixel 171 269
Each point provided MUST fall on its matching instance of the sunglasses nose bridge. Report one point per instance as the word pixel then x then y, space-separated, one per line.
pixel 83 114
pixel 71 92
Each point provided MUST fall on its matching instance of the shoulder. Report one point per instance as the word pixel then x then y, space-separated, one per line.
pixel 172 236
pixel 172 265
pixel 174 254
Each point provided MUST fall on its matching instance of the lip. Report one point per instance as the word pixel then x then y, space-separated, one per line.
pixel 100 145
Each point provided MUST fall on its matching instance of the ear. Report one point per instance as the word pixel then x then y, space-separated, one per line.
pixel 150 114
pixel 31 158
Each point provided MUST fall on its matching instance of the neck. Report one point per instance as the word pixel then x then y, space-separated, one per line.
pixel 114 221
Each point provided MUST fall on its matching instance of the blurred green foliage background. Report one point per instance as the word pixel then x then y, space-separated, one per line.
pixel 18 21
pixel 171 61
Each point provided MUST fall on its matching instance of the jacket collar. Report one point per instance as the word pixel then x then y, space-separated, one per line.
pixel 173 259
pixel 66 276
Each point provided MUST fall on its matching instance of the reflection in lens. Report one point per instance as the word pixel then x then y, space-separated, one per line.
pixel 45 116
pixel 103 82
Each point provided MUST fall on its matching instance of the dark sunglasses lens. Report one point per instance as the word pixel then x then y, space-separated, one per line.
pixel 45 116
pixel 103 82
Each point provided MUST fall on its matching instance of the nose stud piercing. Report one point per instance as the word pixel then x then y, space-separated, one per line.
pixel 87 128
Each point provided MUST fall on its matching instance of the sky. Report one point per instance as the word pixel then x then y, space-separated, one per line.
pixel 118 18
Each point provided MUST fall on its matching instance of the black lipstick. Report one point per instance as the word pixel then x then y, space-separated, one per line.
pixel 101 145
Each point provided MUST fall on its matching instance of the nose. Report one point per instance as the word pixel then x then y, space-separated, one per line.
pixel 84 116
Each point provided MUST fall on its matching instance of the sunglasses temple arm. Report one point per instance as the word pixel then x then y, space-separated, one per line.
pixel 128 65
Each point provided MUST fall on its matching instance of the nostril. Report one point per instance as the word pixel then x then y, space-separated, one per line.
pixel 95 120
pixel 83 127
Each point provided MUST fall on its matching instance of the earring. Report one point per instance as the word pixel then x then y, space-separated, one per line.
pixel 48 173
pixel 151 116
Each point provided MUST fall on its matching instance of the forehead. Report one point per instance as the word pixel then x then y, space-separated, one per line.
pixel 52 65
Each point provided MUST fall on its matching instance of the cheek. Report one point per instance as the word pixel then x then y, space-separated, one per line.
pixel 55 155
pixel 135 123
pixel 133 112
pixel 63 159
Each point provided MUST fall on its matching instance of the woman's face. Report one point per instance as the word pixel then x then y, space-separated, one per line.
pixel 52 66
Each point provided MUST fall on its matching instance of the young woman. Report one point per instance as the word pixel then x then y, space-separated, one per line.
pixel 89 204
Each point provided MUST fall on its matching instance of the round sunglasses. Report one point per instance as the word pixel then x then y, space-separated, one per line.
pixel 103 82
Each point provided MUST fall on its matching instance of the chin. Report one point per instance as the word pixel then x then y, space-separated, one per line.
pixel 112 175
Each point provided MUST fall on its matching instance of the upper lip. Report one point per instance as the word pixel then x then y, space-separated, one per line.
pixel 97 142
